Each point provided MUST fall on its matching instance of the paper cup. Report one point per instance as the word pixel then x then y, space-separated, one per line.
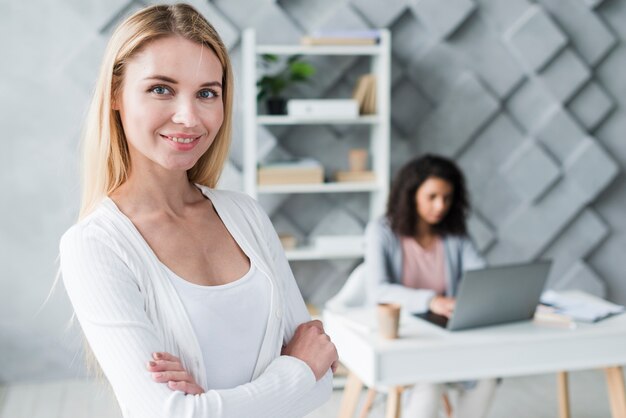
pixel 388 320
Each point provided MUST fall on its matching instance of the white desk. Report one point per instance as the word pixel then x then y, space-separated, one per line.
pixel 425 352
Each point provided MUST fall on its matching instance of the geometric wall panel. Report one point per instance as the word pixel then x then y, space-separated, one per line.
pixel 580 276
pixel 380 14
pixel 409 106
pixel 560 133
pixel 577 241
pixel 591 105
pixel 534 38
pixel 241 12
pixel 530 171
pixel 441 18
pixel 530 103
pixel 435 70
pixel 481 50
pixel 585 30
pixel 593 3
pixel 482 234
pixel 590 169
pixel 564 75
pixel 586 173
pixel 337 222
pixel 453 122
pixel 525 235
pixel 409 38
pixel 502 14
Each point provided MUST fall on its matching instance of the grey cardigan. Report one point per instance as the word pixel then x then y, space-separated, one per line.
pixel 383 267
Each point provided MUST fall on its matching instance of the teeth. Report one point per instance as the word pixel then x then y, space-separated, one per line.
pixel 182 140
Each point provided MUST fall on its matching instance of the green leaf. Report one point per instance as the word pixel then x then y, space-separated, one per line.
pixel 293 58
pixel 269 57
pixel 293 71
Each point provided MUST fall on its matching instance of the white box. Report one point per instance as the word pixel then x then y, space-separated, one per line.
pixel 323 108
pixel 338 242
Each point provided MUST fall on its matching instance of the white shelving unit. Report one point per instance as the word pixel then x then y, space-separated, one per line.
pixel 378 144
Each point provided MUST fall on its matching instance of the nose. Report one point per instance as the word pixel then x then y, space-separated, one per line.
pixel 185 113
pixel 440 205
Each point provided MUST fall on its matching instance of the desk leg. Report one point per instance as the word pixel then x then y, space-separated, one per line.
pixel 393 402
pixel 617 393
pixel 563 393
pixel 369 401
pixel 351 394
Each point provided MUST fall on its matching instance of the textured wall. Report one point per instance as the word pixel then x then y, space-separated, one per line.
pixel 529 97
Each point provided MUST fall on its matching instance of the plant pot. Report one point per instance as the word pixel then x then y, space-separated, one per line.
pixel 276 106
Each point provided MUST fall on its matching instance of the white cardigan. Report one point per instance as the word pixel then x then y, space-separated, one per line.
pixel 128 309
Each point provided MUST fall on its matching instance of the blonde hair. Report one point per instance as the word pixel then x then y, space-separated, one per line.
pixel 105 160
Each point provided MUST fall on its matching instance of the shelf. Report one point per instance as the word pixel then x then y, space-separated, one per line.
pixel 329 247
pixel 319 49
pixel 299 120
pixel 373 129
pixel 347 187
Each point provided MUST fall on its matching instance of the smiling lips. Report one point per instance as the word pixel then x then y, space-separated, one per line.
pixel 181 138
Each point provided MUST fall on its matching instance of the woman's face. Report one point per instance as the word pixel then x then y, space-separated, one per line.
pixel 433 199
pixel 171 103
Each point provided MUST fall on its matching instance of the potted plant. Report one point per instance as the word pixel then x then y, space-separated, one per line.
pixel 271 86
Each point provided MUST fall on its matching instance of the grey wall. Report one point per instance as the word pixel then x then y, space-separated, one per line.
pixel 528 96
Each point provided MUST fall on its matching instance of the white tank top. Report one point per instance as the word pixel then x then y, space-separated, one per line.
pixel 229 321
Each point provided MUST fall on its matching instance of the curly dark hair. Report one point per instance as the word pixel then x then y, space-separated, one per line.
pixel 401 206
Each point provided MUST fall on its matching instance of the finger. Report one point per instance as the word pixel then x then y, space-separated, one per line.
pixel 186 387
pixel 165 366
pixel 317 324
pixel 163 377
pixel 162 355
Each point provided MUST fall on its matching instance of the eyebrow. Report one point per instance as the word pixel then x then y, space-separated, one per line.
pixel 171 80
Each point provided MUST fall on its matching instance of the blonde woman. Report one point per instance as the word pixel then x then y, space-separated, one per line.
pixel 183 291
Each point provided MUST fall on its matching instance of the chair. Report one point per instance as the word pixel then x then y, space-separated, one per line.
pixel 353 294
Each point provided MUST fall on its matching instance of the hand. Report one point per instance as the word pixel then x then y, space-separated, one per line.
pixel 442 305
pixel 313 346
pixel 167 368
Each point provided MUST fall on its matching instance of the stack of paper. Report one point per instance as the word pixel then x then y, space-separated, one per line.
pixel 580 306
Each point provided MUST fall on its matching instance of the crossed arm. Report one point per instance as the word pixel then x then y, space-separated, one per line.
pixel 110 308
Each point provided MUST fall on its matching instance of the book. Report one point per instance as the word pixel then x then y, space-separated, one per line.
pixel 355 176
pixel 305 171
pixel 369 104
pixel 342 37
pixel 288 241
pixel 548 315
pixel 365 94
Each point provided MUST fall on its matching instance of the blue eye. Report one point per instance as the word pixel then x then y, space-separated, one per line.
pixel 206 94
pixel 160 90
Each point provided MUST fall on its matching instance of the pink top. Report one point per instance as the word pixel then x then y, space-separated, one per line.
pixel 421 268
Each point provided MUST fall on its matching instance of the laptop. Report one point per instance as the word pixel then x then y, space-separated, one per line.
pixel 495 295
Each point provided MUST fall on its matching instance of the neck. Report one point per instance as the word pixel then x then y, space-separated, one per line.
pixel 424 230
pixel 153 188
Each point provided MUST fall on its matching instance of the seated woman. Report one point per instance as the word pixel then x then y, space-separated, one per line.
pixel 416 255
